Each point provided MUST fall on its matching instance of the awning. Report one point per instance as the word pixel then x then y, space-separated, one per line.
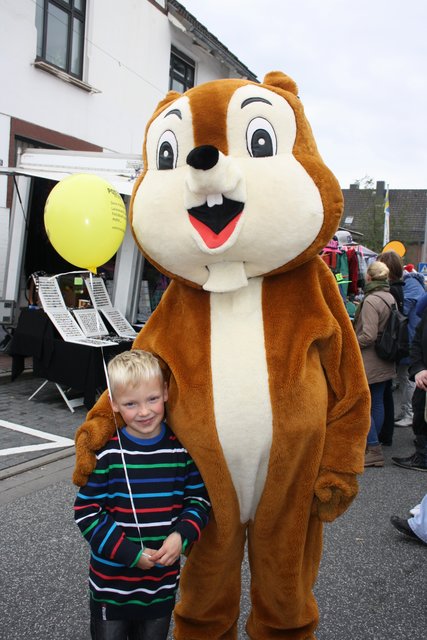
pixel 123 185
pixel 119 170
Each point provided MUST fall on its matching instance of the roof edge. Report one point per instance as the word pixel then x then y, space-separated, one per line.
pixel 202 34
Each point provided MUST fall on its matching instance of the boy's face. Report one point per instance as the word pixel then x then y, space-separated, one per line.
pixel 142 407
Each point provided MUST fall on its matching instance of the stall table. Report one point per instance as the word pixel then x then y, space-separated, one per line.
pixel 79 367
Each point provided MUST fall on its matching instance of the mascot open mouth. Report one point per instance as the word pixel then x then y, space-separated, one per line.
pixel 216 224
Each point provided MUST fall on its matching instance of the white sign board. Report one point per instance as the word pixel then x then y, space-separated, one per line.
pixel 54 306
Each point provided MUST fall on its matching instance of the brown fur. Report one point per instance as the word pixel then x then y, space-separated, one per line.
pixel 320 402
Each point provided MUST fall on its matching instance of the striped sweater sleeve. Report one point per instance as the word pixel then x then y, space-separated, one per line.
pixel 195 513
pixel 105 537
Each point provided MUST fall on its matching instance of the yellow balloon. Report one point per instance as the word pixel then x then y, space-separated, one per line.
pixel 85 220
pixel 397 246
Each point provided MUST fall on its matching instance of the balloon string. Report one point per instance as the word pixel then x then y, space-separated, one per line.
pixel 97 315
pixel 122 454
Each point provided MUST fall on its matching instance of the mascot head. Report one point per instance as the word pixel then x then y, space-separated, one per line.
pixel 233 185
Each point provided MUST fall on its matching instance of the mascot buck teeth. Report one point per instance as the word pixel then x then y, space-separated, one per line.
pixel 266 384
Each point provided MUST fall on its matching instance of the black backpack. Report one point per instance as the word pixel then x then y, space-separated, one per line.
pixel 392 344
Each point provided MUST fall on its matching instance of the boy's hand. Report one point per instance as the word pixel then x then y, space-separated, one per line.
pixel 170 550
pixel 144 562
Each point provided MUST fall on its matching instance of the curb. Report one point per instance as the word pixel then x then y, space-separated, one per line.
pixel 36 463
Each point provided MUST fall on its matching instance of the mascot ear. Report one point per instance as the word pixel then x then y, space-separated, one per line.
pixel 169 97
pixel 281 80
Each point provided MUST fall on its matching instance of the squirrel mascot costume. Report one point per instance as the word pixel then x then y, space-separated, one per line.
pixel 267 389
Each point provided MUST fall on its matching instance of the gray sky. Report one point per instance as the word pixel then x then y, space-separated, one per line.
pixel 361 69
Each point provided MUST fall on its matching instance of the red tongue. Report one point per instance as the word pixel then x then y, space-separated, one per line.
pixel 210 238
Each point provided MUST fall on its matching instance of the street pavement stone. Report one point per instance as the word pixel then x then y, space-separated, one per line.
pixel 46 412
pixel 371 583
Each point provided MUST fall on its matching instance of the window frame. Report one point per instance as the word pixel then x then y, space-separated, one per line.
pixel 73 14
pixel 188 64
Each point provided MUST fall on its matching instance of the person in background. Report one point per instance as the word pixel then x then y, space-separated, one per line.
pixel 418 372
pixel 412 292
pixel 421 305
pixel 395 267
pixel 395 278
pixel 371 318
pixel 415 527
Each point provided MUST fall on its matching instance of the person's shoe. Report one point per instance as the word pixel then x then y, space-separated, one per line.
pixel 406 421
pixel 415 510
pixel 416 461
pixel 374 456
pixel 403 527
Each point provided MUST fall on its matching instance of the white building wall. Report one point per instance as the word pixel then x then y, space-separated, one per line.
pixel 126 59
pixel 127 56
pixel 4 154
pixel 4 212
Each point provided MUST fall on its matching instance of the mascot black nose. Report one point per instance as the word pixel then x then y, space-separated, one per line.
pixel 204 157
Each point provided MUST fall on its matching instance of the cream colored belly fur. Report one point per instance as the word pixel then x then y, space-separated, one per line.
pixel 243 411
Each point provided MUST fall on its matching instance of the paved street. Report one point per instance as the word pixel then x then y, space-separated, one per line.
pixel 372 581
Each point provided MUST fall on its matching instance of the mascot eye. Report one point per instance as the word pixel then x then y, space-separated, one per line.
pixel 260 138
pixel 167 151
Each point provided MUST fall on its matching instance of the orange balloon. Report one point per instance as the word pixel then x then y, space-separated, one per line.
pixel 397 246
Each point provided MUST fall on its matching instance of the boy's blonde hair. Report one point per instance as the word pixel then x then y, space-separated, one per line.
pixel 129 368
pixel 378 270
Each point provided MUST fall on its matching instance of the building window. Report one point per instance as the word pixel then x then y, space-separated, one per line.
pixel 181 74
pixel 60 34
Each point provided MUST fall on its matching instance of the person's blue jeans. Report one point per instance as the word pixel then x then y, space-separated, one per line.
pixel 377 411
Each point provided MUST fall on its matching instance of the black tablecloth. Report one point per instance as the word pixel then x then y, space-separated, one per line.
pixel 74 365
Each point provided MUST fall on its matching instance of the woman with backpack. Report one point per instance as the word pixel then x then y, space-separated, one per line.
pixel 392 413
pixel 370 320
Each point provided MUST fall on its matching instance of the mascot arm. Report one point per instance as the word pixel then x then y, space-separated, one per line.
pixel 99 427
pixel 91 436
pixel 348 413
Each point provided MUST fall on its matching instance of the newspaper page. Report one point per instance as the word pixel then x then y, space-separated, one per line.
pixel 101 302
pixel 90 322
pixel 119 323
pixel 50 294
pixel 98 293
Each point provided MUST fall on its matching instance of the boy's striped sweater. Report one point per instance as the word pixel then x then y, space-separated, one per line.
pixel 168 494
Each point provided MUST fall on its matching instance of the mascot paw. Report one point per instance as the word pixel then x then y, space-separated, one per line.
pixel 333 494
pixel 91 436
pixel 85 463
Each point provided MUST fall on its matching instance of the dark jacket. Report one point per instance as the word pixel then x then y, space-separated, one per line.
pixel 418 352
pixel 421 305
pixel 412 292
pixel 396 290
pixel 418 362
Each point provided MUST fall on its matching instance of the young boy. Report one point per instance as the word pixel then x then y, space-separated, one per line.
pixel 143 505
